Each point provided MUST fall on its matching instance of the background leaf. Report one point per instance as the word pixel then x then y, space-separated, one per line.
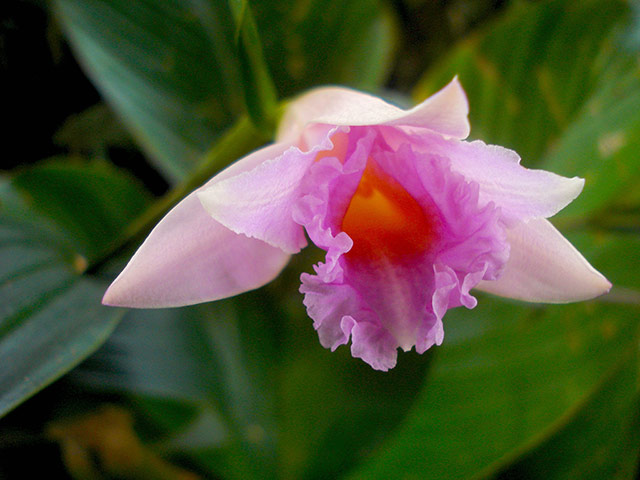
pixel 607 428
pixel 506 379
pixel 601 144
pixel 195 363
pixel 315 42
pixel 52 317
pixel 165 67
pixel 574 114
pixel 169 68
pixel 529 74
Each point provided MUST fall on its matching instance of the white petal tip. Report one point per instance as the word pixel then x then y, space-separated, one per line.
pixel 602 286
pixel 119 295
pixel 592 284
pixel 111 297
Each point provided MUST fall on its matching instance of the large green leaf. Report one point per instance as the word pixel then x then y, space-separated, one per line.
pixel 170 69
pixel 166 67
pixel 530 74
pixel 212 359
pixel 505 379
pixel 316 42
pixel 601 442
pixel 602 143
pixel 603 439
pixel 575 114
pixel 51 314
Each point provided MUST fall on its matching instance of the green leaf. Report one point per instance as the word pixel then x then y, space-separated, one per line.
pixel 171 71
pixel 51 317
pixel 367 63
pixel 91 202
pixel 316 42
pixel 601 442
pixel 206 358
pixel 52 322
pixel 165 67
pixel 529 75
pixel 505 379
pixel 602 144
pixel 574 114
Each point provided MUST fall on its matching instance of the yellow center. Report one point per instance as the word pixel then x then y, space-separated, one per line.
pixel 384 220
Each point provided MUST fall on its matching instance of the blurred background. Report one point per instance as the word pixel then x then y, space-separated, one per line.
pixel 112 108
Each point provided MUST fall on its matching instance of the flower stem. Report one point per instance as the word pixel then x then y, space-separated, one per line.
pixel 260 93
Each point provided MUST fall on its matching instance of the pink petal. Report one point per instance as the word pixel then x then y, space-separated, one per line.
pixel 545 267
pixel 190 258
pixel 251 161
pixel 520 192
pixel 327 305
pixel 258 203
pixel 372 344
pixel 445 112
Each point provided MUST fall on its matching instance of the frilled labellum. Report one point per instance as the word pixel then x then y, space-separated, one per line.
pixel 411 217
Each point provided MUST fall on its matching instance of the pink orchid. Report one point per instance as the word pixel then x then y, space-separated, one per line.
pixel 411 218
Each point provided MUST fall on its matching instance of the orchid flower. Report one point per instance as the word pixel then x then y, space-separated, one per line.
pixel 411 217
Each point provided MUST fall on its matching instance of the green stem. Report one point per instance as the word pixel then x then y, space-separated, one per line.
pixel 239 140
pixel 260 92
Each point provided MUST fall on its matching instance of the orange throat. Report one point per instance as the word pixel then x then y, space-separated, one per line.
pixel 385 221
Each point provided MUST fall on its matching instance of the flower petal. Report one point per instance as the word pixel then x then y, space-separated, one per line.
pixel 258 203
pixel 444 112
pixel 520 192
pixel 545 267
pixel 190 258
pixel 372 344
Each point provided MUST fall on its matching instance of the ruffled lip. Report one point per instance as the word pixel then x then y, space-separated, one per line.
pixel 387 302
